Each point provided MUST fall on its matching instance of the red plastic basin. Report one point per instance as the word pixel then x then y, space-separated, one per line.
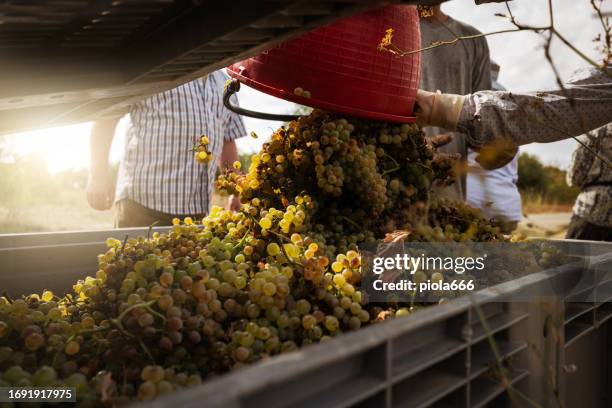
pixel 343 69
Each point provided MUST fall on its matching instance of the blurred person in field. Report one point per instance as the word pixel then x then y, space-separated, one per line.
pixel 495 192
pixel 159 178
pixel 592 212
pixel 462 68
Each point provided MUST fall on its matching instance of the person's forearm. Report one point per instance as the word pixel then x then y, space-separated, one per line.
pixel 528 118
pixel 100 142
pixel 100 185
pixel 525 118
pixel 229 154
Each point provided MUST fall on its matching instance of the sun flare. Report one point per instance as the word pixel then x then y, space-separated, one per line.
pixel 62 148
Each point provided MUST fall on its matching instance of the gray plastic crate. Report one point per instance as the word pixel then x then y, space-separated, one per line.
pixel 33 262
pixel 439 356
pixel 553 348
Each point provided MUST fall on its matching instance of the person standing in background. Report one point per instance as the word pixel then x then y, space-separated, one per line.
pixel 159 178
pixel 458 69
pixel 495 192
pixel 592 212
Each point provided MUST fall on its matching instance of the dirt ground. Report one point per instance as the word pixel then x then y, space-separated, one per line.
pixel 72 215
pixel 549 225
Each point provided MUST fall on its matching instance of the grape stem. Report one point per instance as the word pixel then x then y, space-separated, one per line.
pixel 89 331
pixel 243 239
pixel 146 349
pixel 281 236
pixel 353 223
pixel 161 316
pixel 70 299
pixel 7 297
pixel 129 309
pixel 72 336
pixel 124 385
pixel 499 368
pixel 289 259
pixel 270 231
pixel 395 168
pixel 429 169
pixel 150 229
pixel 119 325
pixel 123 244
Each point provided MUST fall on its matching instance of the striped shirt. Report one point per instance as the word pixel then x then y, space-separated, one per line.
pixel 159 170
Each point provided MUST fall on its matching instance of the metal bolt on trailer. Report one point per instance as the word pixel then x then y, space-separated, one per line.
pixel 476 351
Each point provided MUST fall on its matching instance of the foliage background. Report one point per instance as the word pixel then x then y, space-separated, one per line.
pixel 543 187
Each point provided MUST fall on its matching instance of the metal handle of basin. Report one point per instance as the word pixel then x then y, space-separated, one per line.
pixel 232 87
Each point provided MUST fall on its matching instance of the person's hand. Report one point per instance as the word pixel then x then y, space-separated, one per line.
pixel 496 154
pixel 100 191
pixel 233 203
pixel 444 164
pixel 439 140
pixel 438 109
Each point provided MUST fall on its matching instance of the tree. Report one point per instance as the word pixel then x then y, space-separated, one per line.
pixel 546 182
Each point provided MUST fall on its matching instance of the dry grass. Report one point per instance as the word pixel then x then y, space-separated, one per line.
pixel 72 214
pixel 545 225
pixel 537 204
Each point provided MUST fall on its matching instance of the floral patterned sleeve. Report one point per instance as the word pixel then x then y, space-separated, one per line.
pixel 539 116
pixel 585 168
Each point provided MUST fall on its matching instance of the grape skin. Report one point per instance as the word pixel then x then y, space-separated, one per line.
pixel 165 312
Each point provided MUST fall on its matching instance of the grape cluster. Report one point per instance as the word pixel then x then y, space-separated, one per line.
pixel 449 221
pixel 170 310
pixel 366 179
pixel 201 152
pixel 204 298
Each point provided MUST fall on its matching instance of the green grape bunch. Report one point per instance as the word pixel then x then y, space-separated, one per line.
pixel 171 310
pixel 365 178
